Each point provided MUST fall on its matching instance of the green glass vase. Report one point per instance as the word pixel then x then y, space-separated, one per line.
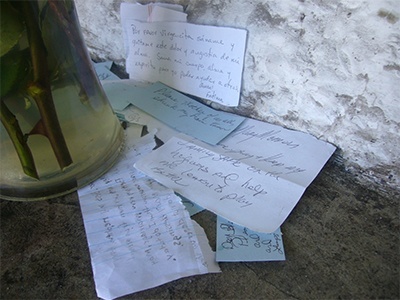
pixel 58 131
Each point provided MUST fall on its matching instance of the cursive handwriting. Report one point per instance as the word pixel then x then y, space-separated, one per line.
pixel 208 64
pixel 236 236
pixel 249 132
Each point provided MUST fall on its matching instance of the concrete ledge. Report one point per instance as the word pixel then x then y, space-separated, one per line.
pixel 341 241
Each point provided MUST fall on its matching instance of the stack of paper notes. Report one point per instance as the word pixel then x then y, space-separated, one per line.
pixel 251 174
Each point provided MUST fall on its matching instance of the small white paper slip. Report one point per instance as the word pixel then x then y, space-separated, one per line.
pixel 222 185
pixel 152 12
pixel 238 243
pixel 208 254
pixel 139 233
pixel 133 114
pixel 103 71
pixel 205 61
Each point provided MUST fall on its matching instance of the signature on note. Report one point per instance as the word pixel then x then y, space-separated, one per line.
pixel 237 237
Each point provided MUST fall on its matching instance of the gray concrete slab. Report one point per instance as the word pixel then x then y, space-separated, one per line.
pixel 341 242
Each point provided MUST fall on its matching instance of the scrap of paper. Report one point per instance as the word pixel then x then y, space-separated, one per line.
pixel 139 233
pixel 117 97
pixel 152 12
pixel 103 71
pixel 106 64
pixel 191 207
pixel 176 110
pixel 135 115
pixel 159 13
pixel 118 94
pixel 185 114
pixel 205 61
pixel 238 243
pixel 208 254
pixel 222 184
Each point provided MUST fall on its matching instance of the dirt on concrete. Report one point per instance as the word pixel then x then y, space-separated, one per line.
pixel 341 242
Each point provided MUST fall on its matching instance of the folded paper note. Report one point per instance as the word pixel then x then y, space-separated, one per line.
pixel 118 93
pixel 222 184
pixel 205 61
pixel 103 71
pixel 254 178
pixel 238 243
pixel 152 12
pixel 176 110
pixel 139 233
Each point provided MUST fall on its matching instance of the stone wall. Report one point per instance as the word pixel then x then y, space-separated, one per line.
pixel 329 68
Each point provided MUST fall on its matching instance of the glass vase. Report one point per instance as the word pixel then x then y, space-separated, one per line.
pixel 58 131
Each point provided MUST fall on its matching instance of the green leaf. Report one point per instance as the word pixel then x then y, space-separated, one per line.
pixel 11 28
pixel 14 71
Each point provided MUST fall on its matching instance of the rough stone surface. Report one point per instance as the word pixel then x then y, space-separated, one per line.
pixel 328 68
pixel 341 242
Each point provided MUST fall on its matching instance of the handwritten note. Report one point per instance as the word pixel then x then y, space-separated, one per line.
pixel 238 243
pixel 204 61
pixel 222 184
pixel 275 152
pixel 181 112
pixel 139 233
